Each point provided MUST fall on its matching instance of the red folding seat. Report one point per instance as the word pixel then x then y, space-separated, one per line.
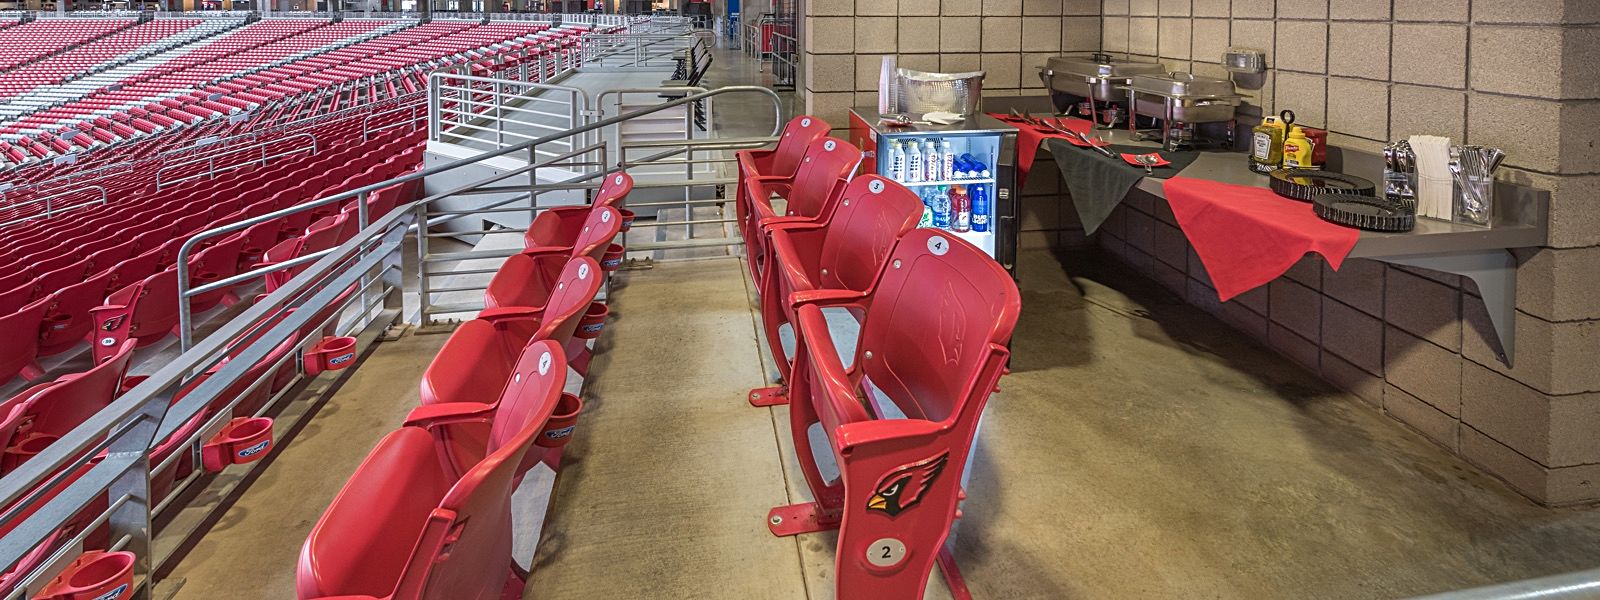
pixel 778 164
pixel 258 239
pixel 145 312
pixel 932 346
pixel 20 330
pixel 481 352
pixel 66 318
pixel 215 263
pixel 817 184
pixel 842 253
pixel 559 226
pixel 526 279
pixel 109 256
pixel 410 526
pixel 51 410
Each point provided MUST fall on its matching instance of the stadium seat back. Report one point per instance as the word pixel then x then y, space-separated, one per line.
pixel 940 307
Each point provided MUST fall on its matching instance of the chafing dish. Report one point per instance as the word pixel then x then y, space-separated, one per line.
pixel 1097 76
pixel 1181 101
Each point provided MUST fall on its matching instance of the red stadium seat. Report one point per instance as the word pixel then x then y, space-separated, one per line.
pixel 527 279
pixel 448 535
pixel 932 346
pixel 66 319
pixel 844 252
pixel 779 163
pixel 50 410
pixel 809 195
pixel 482 351
pixel 145 312
pixel 215 263
pixel 20 330
pixel 559 227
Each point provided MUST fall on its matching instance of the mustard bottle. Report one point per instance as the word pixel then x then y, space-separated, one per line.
pixel 1266 144
pixel 1297 150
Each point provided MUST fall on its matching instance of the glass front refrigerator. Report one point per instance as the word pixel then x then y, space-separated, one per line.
pixel 965 174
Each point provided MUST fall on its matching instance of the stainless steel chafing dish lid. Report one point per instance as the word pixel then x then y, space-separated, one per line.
pixel 1099 66
pixel 1178 84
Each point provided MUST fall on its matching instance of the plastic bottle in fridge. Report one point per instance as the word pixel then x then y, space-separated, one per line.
pixel 897 161
pixel 913 170
pixel 941 208
pixel 927 208
pixel 931 160
pixel 947 160
pixel 980 207
pixel 960 209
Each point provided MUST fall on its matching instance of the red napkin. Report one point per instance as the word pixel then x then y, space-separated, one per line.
pixel 1247 236
pixel 1132 160
pixel 1030 136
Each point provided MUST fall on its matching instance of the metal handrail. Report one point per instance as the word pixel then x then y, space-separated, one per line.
pixel 185 318
pixel 48 210
pixel 211 160
pixel 1580 585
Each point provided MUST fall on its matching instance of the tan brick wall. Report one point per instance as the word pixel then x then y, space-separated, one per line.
pixel 1524 76
pixel 844 43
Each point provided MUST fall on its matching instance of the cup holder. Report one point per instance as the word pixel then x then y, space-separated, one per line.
pixel 612 259
pixel 627 218
pixel 330 354
pixel 94 576
pixel 242 440
pixel 593 321
pixel 26 448
pixel 558 428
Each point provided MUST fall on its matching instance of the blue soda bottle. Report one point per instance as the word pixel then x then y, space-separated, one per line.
pixel 980 207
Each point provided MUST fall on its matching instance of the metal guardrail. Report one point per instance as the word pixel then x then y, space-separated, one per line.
pixel 460 105
pixel 1580 585
pixel 262 159
pixel 785 60
pixel 49 209
pixel 524 198
pixel 632 51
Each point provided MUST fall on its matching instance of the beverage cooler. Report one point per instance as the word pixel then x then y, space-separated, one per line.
pixel 965 174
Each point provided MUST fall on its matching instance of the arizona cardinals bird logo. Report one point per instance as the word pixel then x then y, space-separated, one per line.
pixel 903 487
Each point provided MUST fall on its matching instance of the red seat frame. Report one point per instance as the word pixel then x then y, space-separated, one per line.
pixel 843 252
pixel 932 345
pixel 779 163
pixel 410 526
pixel 820 180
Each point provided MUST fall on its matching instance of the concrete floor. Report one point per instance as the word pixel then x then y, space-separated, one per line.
pixel 1139 449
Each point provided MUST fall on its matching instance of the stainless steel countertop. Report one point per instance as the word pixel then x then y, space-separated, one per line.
pixel 974 123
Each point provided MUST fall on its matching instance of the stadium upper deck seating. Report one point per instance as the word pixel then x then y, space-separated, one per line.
pixel 28 42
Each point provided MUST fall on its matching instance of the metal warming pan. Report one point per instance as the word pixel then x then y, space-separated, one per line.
pixel 1184 97
pixel 1096 76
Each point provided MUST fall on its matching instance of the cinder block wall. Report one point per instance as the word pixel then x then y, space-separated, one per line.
pixel 1521 75
pixel 845 41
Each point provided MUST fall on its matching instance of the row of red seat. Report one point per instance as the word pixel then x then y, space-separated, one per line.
pixel 427 515
pixel 136 244
pixel 32 41
pixel 935 317
pixel 75 60
pixel 386 66
pixel 145 311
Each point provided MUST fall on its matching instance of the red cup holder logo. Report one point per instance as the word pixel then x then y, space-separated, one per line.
pixel 242 440
pixel 563 421
pixel 593 321
pixel 612 259
pixel 96 575
pixel 627 218
pixel 330 354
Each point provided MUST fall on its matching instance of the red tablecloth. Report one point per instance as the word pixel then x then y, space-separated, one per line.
pixel 1247 236
pixel 1029 138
